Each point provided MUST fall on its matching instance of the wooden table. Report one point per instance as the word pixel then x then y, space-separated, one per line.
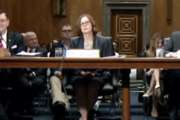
pixel 100 63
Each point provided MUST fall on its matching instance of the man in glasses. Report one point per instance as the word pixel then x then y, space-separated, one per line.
pixel 58 77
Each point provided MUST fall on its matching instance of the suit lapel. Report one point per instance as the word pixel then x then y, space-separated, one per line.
pixel 9 41
pixel 81 44
pixel 95 43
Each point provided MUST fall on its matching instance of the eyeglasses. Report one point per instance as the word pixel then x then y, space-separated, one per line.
pixel 67 30
pixel 85 23
pixel 3 20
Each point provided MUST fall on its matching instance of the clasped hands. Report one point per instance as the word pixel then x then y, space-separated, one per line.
pixel 87 73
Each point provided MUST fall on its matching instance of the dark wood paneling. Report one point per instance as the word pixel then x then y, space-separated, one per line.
pixel 37 15
pixel 159 16
pixel 34 15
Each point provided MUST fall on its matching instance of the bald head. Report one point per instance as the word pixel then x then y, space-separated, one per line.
pixel 31 39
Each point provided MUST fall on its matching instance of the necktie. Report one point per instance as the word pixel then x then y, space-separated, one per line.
pixel 1 44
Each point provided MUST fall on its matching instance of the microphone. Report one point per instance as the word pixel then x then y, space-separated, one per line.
pixel 60 49
pixel 62 46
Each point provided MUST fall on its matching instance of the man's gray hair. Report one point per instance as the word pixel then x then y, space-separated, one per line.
pixel 30 33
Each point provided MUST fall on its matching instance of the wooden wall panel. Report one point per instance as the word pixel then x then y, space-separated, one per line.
pixel 159 17
pixel 176 16
pixel 36 15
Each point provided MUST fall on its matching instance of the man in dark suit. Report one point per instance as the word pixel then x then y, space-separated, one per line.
pixel 10 44
pixel 59 77
pixel 10 40
pixel 31 81
pixel 172 47
pixel 32 44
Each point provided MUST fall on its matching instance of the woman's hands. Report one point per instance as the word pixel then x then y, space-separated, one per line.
pixel 87 73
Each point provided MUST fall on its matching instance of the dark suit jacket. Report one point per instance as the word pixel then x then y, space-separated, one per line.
pixel 173 44
pixel 35 76
pixel 15 42
pixel 104 44
pixel 173 76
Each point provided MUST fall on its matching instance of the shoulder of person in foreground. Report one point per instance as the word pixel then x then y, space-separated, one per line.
pixel 74 41
pixel 107 44
pixel 104 38
pixel 15 36
pixel 15 42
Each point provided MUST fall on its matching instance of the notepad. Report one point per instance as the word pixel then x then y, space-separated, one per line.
pixel 83 53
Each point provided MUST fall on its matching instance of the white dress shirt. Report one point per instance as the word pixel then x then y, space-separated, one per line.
pixel 4 41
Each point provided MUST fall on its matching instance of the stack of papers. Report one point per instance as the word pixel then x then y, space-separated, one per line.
pixel 82 53
pixel 23 53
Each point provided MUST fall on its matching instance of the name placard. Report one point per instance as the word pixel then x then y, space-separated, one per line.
pixel 83 53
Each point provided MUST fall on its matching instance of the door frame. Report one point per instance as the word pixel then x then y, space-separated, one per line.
pixel 142 5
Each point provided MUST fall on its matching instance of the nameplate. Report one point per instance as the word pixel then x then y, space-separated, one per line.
pixel 82 53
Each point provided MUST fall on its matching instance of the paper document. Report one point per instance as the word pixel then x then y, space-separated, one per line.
pixel 82 53
pixel 23 53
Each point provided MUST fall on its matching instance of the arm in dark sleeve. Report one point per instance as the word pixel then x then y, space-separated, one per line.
pixel 73 45
pixel 20 43
pixel 168 45
pixel 17 43
pixel 108 49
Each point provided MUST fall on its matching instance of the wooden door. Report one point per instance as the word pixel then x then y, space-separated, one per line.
pixel 126 30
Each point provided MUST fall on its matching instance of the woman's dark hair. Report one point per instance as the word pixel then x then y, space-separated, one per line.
pixel 92 21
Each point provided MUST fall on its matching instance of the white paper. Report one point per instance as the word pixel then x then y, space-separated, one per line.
pixel 82 53
pixel 115 56
pixel 23 53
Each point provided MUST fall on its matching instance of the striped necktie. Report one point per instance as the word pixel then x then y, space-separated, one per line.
pixel 1 44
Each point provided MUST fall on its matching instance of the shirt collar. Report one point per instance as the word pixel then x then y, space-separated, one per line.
pixel 4 36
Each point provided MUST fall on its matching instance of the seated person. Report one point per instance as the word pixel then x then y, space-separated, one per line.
pixel 87 83
pixel 30 80
pixel 32 44
pixel 172 48
pixel 155 49
pixel 10 44
pixel 63 42
pixel 58 77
